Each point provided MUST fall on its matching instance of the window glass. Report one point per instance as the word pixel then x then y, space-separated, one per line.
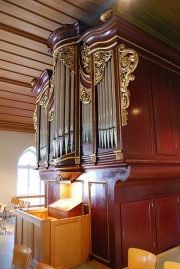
pixel 28 181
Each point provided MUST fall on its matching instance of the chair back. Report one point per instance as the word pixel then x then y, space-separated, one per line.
pixel 44 266
pixel 21 256
pixel 171 265
pixel 141 259
pixel 21 203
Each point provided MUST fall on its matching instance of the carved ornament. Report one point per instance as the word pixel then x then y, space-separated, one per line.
pixel 51 89
pixel 44 100
pixel 100 60
pixel 93 157
pixel 67 55
pixel 119 154
pixel 106 15
pixel 85 58
pixel 51 114
pixel 35 118
pixel 85 95
pixel 67 176
pixel 128 60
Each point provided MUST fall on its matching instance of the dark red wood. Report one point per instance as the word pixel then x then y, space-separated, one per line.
pixel 99 220
pixel 121 31
pixel 167 222
pixel 164 127
pixel 139 132
pixel 136 226
pixel 41 81
pixel 60 36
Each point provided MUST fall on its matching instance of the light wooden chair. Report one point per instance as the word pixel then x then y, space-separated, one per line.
pixel 21 256
pixel 141 259
pixel 21 203
pixel 44 266
pixel 26 204
pixel 171 265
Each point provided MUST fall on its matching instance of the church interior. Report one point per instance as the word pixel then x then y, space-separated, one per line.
pixel 95 85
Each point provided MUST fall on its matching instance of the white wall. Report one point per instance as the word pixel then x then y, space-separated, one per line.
pixel 12 144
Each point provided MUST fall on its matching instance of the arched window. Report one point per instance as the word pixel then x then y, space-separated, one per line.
pixel 28 181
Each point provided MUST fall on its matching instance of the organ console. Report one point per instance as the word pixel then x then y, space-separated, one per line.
pixel 107 115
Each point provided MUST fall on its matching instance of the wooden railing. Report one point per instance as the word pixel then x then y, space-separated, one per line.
pixel 30 198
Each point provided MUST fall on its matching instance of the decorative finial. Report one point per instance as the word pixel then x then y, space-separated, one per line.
pixel 106 15
pixel 33 82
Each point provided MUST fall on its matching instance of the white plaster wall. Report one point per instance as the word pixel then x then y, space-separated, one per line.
pixel 12 144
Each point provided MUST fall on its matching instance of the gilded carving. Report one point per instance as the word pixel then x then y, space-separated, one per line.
pixel 35 120
pixel 85 95
pixel 67 55
pixel 67 176
pixel 51 114
pixel 85 58
pixel 44 100
pixel 100 60
pixel 119 154
pixel 52 79
pixel 106 15
pixel 93 157
pixel 128 60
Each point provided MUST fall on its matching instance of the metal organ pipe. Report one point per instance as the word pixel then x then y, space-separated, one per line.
pixel 67 109
pixel 106 108
pixel 72 111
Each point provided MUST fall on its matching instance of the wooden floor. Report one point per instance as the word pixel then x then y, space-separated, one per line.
pixel 7 244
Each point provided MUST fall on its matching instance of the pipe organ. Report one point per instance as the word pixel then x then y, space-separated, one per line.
pixel 106 116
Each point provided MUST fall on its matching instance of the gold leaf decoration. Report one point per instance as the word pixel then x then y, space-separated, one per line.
pixel 100 60
pixel 85 95
pixel 44 100
pixel 51 114
pixel 128 60
pixel 85 58
pixel 67 55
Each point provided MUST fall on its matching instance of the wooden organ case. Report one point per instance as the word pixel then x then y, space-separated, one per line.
pixel 107 116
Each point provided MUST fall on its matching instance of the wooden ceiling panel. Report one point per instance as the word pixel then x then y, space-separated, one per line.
pixel 16 76
pixel 11 57
pixel 17 97
pixel 16 104
pixel 26 53
pixel 16 112
pixel 16 88
pixel 24 14
pixel 70 9
pixel 24 26
pixel 21 41
pixel 43 10
pixel 21 70
pixel 14 118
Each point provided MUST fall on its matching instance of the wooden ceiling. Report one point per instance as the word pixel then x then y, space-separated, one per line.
pixel 25 26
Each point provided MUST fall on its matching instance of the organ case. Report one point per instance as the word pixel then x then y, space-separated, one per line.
pixel 111 133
